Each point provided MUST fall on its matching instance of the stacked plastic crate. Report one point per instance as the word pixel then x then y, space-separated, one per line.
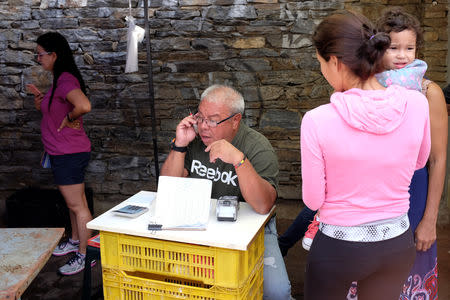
pixel 143 268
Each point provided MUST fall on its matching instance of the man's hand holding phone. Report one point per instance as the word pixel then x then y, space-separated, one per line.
pixel 186 131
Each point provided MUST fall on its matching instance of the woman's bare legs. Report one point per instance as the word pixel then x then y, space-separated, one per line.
pixel 73 224
pixel 79 212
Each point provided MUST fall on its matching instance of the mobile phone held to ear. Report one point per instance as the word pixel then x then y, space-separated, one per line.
pixel 33 89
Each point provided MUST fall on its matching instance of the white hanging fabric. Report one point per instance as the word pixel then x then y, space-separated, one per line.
pixel 135 35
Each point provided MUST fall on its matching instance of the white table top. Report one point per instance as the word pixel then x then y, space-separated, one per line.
pixel 223 234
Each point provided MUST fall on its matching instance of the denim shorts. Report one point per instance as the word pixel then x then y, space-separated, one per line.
pixel 69 168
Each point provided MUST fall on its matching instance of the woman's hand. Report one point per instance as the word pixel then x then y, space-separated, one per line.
pixel 74 125
pixel 38 96
pixel 81 106
pixel 38 100
pixel 65 123
pixel 425 235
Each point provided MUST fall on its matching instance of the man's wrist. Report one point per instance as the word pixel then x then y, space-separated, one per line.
pixel 239 163
pixel 176 148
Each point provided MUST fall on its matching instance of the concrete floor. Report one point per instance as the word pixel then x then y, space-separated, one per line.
pixel 48 285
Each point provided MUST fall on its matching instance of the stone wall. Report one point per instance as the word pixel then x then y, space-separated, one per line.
pixel 262 47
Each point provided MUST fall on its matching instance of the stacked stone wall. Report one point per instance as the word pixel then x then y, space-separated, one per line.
pixel 262 47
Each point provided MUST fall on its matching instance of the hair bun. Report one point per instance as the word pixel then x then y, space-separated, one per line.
pixel 380 41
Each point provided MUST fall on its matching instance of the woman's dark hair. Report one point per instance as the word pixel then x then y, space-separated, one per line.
pixel 395 19
pixel 57 43
pixel 352 38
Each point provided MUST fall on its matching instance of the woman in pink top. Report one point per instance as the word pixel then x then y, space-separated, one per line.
pixel 65 140
pixel 358 156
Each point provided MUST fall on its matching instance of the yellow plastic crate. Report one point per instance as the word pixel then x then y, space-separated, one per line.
pixel 209 265
pixel 121 285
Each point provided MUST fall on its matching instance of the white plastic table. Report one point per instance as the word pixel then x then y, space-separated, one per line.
pixel 231 235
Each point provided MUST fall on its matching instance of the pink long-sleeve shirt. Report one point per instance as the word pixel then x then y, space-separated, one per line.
pixel 360 151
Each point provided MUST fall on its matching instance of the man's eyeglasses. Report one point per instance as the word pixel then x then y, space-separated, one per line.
pixel 39 55
pixel 211 123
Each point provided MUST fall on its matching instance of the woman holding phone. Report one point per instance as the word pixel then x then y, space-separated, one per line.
pixel 65 140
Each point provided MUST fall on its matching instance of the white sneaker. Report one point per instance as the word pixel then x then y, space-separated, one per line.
pixel 75 265
pixel 65 248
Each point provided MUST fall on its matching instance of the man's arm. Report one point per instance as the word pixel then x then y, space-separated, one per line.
pixel 256 191
pixel 174 165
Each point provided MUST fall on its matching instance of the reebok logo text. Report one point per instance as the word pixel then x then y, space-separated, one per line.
pixel 211 174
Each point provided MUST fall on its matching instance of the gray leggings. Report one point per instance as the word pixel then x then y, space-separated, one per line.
pixel 379 267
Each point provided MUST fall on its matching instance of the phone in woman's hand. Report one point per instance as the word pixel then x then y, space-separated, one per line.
pixel 33 89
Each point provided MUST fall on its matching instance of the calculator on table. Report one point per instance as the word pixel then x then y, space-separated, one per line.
pixel 130 211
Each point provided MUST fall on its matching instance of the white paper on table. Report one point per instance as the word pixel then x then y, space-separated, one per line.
pixel 182 202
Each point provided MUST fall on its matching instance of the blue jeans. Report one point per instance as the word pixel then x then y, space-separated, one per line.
pixel 276 281
pixel 296 231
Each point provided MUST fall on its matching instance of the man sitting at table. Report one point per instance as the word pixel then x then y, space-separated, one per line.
pixel 216 145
